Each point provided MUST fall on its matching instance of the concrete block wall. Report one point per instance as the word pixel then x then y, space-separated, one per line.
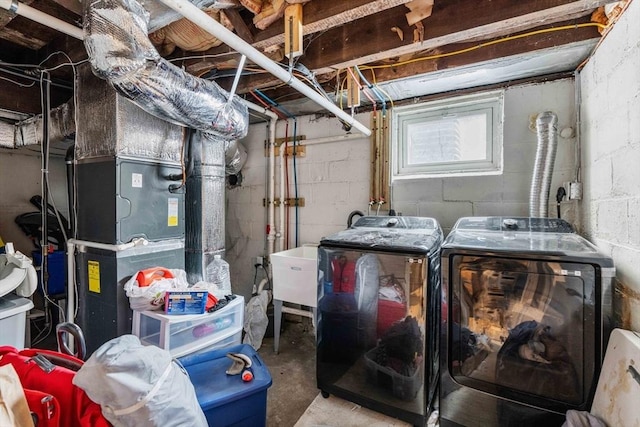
pixel 333 178
pixel 20 178
pixel 450 198
pixel 610 140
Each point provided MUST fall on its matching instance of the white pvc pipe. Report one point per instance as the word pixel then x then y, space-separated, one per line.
pixel 272 175
pixel 283 207
pixel 328 139
pixel 213 27
pixel 41 18
pixel 71 281
pixel 71 270
pixel 261 110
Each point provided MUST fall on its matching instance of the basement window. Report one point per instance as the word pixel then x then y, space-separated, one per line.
pixel 452 137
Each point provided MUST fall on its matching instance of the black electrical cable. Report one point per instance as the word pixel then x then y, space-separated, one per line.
pixel 266 273
pixel 560 195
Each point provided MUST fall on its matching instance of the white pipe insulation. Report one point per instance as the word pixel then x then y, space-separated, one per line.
pixel 200 18
pixel 41 18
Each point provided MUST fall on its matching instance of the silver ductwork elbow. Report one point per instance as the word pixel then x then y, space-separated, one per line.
pixel 546 127
pixel 120 52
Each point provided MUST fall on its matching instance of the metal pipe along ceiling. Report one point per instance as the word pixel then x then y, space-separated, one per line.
pixel 209 24
pixel 216 29
pixel 41 18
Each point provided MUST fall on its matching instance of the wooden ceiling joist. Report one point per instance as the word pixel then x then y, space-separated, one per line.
pixel 371 39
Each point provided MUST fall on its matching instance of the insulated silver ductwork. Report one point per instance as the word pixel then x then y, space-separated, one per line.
pixel 546 126
pixel 120 52
pixel 62 126
pixel 235 155
pixel 205 213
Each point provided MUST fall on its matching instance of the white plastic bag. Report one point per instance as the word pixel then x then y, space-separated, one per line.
pixel 151 297
pixel 256 320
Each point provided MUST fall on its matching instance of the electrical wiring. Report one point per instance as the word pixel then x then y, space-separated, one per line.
pixel 274 103
pixel 59 52
pixel 355 79
pixel 485 44
pixel 17 83
pixel 45 97
pixel 373 75
pixel 374 90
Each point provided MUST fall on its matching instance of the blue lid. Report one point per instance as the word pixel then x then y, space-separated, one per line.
pixel 213 386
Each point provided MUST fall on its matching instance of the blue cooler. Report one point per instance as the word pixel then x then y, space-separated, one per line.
pixel 225 399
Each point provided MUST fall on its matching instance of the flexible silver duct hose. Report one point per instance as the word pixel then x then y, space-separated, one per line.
pixel 546 126
pixel 120 52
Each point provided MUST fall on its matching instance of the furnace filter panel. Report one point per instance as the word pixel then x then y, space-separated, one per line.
pixel 120 199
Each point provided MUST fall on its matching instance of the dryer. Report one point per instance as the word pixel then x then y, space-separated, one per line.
pixel 525 319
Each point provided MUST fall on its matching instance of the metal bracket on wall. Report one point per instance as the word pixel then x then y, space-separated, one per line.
pixel 290 202
pixel 300 149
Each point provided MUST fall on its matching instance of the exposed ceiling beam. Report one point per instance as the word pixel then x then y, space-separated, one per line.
pixel 318 15
pixel 239 25
pixel 491 52
pixel 22 39
pixel 321 15
pixel 454 23
pixel 74 6
pixel 371 38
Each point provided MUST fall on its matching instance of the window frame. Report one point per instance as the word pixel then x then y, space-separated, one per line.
pixel 490 102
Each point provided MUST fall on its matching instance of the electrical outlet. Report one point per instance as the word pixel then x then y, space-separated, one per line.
pixel 573 189
pixel 575 192
pixel 258 260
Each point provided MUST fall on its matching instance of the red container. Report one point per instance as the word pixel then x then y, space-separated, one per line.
pixel 389 312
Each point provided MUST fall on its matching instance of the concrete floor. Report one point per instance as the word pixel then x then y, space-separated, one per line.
pixel 294 399
pixel 293 372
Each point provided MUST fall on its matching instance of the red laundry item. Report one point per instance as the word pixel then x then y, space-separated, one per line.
pixel 344 275
pixel 75 407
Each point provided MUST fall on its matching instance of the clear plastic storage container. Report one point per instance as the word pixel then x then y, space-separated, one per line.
pixel 186 334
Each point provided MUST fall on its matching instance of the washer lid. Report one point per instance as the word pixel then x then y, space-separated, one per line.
pixel 393 233
pixel 516 234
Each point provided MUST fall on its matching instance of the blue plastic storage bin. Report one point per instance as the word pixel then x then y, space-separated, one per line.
pixel 56 263
pixel 225 399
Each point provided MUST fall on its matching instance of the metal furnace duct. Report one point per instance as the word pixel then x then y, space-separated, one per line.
pixel 546 126
pixel 120 52
pixel 205 212
pixel 111 126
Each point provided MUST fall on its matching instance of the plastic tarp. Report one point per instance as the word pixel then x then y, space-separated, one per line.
pixel 256 320
pixel 366 295
pixel 139 385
